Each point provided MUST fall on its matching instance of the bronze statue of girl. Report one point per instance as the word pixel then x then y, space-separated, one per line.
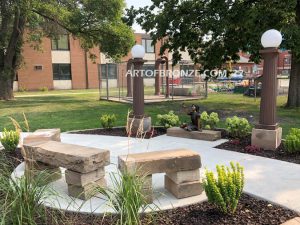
pixel 195 119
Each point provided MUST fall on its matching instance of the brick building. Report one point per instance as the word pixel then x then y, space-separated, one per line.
pixel 63 64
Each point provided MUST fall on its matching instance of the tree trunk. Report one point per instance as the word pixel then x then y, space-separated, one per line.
pixel 6 86
pixel 294 86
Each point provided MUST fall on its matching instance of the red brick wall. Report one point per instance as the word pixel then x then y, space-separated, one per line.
pixel 93 68
pixel 30 78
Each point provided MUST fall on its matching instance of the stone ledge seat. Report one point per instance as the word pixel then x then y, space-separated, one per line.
pixel 206 135
pixel 43 151
pixel 181 166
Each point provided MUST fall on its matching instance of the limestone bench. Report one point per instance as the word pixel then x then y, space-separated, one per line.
pixel 206 135
pixel 181 166
pixel 85 165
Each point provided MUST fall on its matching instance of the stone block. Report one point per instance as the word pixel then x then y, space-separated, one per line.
pixel 160 161
pixel 148 195
pixel 87 191
pixel 183 190
pixel 43 135
pixel 73 157
pixel 206 135
pixel 82 179
pixel 139 125
pixel 184 176
pixel 266 139
pixel 36 165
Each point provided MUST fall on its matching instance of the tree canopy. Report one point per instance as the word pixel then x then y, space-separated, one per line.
pixel 215 31
pixel 94 22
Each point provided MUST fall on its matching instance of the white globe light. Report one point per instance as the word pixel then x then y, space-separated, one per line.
pixel 138 51
pixel 271 39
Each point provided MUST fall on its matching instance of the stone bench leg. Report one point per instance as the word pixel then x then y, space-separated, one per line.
pixel 184 184
pixel 51 173
pixel 82 185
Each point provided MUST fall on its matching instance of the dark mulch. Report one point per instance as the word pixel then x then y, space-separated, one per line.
pixel 121 132
pixel 250 211
pixel 279 153
pixel 12 158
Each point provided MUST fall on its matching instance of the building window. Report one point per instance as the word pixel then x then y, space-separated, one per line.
pixel 147 43
pixel 62 72
pixel 149 70
pixel 61 43
pixel 112 71
pixel 287 60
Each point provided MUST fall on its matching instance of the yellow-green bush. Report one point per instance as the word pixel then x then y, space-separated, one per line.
pixel 168 120
pixel 10 140
pixel 209 121
pixel 108 121
pixel 237 127
pixel 225 191
pixel 292 141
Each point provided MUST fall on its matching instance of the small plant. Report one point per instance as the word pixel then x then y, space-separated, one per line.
pixel 43 89
pixel 126 197
pixel 10 140
pixel 252 149
pixel 209 121
pixel 108 121
pixel 225 191
pixel 168 120
pixel 237 127
pixel 292 141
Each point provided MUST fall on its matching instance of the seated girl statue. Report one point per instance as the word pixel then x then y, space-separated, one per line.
pixel 195 115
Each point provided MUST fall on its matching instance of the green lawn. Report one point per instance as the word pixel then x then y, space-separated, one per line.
pixel 82 110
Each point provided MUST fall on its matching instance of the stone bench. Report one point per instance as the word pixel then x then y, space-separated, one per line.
pixel 181 166
pixel 206 135
pixel 85 165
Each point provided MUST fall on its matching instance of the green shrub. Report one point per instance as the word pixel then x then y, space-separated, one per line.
pixel 108 121
pixel 209 121
pixel 292 141
pixel 237 127
pixel 168 120
pixel 10 140
pixel 226 190
pixel 126 197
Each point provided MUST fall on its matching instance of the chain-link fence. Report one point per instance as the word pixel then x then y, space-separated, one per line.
pixel 181 80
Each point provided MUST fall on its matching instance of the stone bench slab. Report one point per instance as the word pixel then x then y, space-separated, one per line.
pixel 160 161
pixel 206 135
pixel 42 135
pixel 73 157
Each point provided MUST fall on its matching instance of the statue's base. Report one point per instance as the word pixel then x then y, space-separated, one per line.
pixel 266 139
pixel 206 135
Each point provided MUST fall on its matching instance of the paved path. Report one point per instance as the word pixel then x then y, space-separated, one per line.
pixel 273 180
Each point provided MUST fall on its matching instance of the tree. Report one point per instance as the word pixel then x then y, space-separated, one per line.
pixel 214 31
pixel 94 22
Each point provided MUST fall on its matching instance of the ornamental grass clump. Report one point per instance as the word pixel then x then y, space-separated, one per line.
pixel 168 120
pixel 21 198
pixel 292 141
pixel 225 191
pixel 126 197
pixel 209 121
pixel 108 121
pixel 10 140
pixel 237 127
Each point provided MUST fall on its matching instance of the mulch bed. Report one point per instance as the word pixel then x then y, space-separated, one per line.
pixel 121 132
pixel 250 211
pixel 279 153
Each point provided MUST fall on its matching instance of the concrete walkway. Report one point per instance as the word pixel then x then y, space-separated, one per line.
pixel 273 180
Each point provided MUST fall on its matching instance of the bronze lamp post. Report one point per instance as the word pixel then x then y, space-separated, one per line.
pixel 140 122
pixel 267 133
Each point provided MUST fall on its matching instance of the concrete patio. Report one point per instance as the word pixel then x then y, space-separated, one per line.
pixel 275 181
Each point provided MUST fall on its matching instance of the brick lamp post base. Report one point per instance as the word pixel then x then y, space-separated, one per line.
pixel 266 139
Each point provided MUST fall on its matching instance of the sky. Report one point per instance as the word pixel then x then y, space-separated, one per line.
pixel 137 4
